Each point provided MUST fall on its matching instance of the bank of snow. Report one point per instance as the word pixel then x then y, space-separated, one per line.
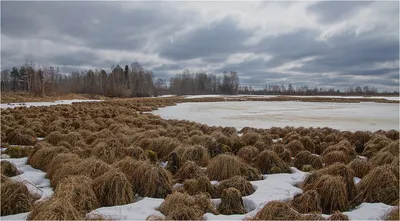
pixel 38 104
pixel 259 114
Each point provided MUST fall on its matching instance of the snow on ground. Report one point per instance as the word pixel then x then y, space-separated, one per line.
pixel 139 210
pixel 38 104
pixel 354 97
pixel 259 114
pixel 33 179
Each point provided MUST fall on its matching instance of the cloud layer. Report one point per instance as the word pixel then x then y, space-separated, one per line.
pixel 322 44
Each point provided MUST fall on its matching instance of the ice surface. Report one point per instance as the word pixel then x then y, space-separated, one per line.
pixel 37 104
pixel 260 114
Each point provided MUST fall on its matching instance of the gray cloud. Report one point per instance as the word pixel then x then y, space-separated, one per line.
pixel 335 11
pixel 168 37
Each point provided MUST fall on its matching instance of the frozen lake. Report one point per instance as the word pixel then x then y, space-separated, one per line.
pixel 342 116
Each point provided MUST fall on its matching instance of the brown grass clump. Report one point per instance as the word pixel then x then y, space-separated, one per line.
pixel 92 167
pixel 250 138
pixel 189 170
pixel 382 158
pixel 307 202
pixel 379 185
pixel 361 136
pixel 199 185
pixel 42 157
pixel 109 151
pixel 376 143
pixel 231 202
pixel 113 188
pixel 58 161
pixel 286 156
pixel 393 214
pixel 337 169
pixel 8 169
pixel 185 213
pixel 276 210
pixel 268 162
pixel 306 158
pixel 248 154
pixel 136 152
pixel 393 148
pixel 360 167
pixel 21 136
pixel 237 182
pixel 151 180
pixel 54 137
pixel 330 138
pixel 335 157
pixel 55 209
pixel 193 207
pixel 4 178
pixel 225 166
pixel 344 146
pixel 333 192
pixel 196 153
pixel 78 190
pixel 294 146
pixel 163 146
pixel 15 198
pixel 337 215
pixel 17 151
pixel 308 144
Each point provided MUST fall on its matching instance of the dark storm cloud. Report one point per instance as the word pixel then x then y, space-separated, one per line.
pixel 222 37
pixel 335 11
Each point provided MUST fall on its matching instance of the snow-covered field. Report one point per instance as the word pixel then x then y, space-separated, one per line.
pixel 38 104
pixel 268 96
pixel 342 116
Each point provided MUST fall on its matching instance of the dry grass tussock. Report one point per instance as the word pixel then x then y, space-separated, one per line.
pixel 163 146
pixel 231 202
pixel 8 169
pixel 312 216
pixel 337 169
pixel 225 166
pixel 343 146
pixel 78 190
pixel 17 151
pixel 295 147
pixel 276 210
pixel 268 162
pixel 189 170
pixel 250 138
pixel 199 185
pixel 306 158
pixel 308 144
pixel 110 151
pixel 22 136
pixel 307 202
pixel 382 158
pixel 196 153
pixel 393 148
pixel 336 157
pixel 113 188
pixel 55 209
pixel 379 185
pixel 237 182
pixel 376 143
pixel 360 167
pixel 151 180
pixel 15 198
pixel 337 215
pixel 193 207
pixel 59 160
pixel 248 154
pixel 333 192
pixel 42 157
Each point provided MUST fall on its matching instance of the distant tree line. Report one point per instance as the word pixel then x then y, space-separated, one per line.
pixel 128 81
pixel 305 90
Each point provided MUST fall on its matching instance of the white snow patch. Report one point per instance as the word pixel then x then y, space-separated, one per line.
pixel 260 114
pixel 38 104
pixel 33 179
pixel 139 210
pixel 19 216
pixel 369 211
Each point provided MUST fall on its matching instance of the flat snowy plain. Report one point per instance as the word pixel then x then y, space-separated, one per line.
pixel 261 114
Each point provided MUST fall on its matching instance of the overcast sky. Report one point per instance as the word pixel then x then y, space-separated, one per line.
pixel 336 44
